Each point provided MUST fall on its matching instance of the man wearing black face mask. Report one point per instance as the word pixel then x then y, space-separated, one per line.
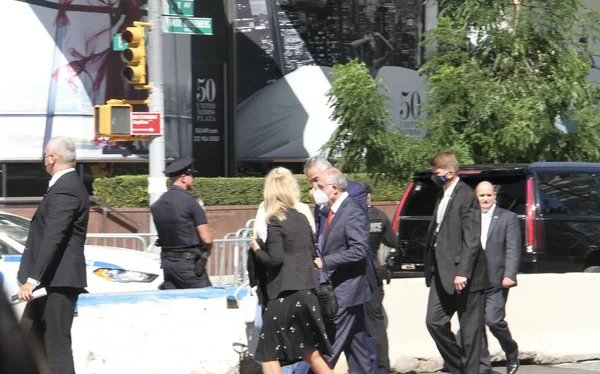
pixel 455 268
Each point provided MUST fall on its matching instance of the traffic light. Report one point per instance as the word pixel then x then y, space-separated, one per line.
pixel 135 55
pixel 112 119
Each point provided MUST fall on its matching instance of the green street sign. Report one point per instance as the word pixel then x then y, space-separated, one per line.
pixel 187 25
pixel 118 43
pixel 178 7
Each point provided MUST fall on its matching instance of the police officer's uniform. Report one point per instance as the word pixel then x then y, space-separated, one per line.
pixel 380 230
pixel 176 216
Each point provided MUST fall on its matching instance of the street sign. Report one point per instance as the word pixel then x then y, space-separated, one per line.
pixel 145 123
pixel 178 7
pixel 187 25
pixel 118 43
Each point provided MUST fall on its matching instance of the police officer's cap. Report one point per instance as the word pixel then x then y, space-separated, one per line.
pixel 181 166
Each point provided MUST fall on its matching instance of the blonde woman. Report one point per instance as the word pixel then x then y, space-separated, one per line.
pixel 293 328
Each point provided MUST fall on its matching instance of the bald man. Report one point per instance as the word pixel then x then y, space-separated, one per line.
pixel 501 241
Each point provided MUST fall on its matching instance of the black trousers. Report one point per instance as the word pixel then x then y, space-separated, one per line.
pixel 495 312
pixel 377 322
pixel 470 308
pixel 49 319
pixel 180 273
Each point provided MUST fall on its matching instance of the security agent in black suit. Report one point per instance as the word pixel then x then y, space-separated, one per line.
pixel 54 256
pixel 183 233
pixel 455 269
pixel 501 240
pixel 380 231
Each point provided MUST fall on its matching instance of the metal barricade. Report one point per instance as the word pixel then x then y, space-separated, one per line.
pixel 226 264
pixel 137 241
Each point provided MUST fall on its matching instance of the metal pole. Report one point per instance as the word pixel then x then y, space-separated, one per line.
pixel 156 179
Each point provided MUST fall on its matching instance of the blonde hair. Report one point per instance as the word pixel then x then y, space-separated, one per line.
pixel 281 192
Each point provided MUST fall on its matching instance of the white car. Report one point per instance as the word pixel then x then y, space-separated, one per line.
pixel 109 269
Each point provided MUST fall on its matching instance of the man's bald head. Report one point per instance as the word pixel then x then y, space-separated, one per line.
pixel 486 195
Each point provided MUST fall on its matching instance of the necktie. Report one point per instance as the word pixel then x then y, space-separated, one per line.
pixel 329 219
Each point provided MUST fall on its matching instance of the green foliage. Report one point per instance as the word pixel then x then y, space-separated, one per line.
pixel 506 74
pixel 366 139
pixel 131 191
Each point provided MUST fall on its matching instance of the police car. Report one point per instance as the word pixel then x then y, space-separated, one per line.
pixel 109 269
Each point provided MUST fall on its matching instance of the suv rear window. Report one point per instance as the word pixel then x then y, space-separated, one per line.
pixel 574 193
pixel 422 199
pixel 511 192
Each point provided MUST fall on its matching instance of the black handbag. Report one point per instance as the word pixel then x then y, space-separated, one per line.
pixel 324 292
pixel 327 300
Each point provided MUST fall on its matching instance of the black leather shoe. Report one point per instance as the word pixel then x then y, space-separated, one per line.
pixel 512 364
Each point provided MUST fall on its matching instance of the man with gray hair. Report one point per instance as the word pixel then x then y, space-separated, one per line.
pixel 312 169
pixel 53 258
pixel 346 261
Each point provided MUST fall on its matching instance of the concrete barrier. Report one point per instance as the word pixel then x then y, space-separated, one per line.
pixel 179 331
pixel 555 318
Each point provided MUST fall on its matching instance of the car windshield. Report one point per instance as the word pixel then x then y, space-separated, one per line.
pixel 14 227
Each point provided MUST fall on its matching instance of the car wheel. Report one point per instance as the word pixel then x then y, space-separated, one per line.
pixel 592 269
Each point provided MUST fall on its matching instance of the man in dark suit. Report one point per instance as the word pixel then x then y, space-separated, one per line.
pixel 347 262
pixel 501 240
pixel 455 269
pixel 54 258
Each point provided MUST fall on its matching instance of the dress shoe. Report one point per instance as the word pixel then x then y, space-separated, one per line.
pixel 512 363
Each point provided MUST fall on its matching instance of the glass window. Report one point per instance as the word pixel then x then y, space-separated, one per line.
pixel 26 179
pixel 422 199
pixel 95 170
pixel 569 193
pixel 510 190
pixel 511 194
pixel 2 180
pixel 6 249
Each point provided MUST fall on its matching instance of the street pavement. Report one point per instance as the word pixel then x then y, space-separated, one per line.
pixel 577 368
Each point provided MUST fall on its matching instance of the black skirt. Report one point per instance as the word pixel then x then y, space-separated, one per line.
pixel 292 328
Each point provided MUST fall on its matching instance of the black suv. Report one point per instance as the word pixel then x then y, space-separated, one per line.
pixel 558 204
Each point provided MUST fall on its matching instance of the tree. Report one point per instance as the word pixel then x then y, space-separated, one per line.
pixel 506 73
pixel 366 139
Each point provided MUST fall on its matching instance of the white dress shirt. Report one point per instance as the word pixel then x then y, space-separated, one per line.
pixel 53 180
pixel 56 176
pixel 444 203
pixel 334 208
pixel 486 220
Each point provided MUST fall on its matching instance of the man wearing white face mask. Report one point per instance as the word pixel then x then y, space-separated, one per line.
pixel 314 166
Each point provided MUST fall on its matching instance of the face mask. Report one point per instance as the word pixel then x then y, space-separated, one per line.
pixel 320 197
pixel 439 180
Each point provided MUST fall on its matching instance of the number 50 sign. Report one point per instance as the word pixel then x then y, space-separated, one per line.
pixel 410 105
pixel 206 90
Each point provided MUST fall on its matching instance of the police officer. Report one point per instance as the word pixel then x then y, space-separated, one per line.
pixel 183 233
pixel 380 230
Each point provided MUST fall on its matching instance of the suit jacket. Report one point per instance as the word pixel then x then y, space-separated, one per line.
pixel 503 247
pixel 346 255
pixel 54 249
pixel 458 250
pixel 288 256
